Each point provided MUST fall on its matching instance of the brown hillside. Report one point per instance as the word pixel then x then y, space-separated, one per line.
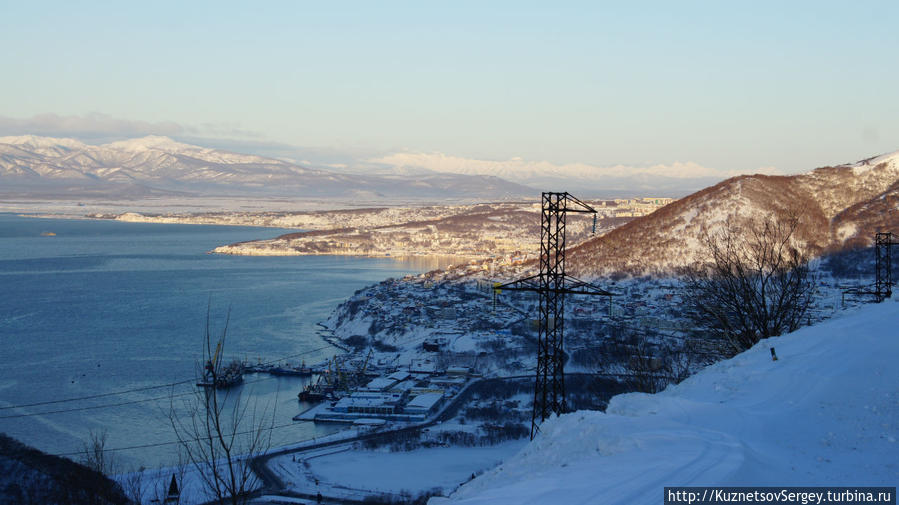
pixel 838 207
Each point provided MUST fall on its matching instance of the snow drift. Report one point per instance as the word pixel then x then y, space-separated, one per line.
pixel 825 413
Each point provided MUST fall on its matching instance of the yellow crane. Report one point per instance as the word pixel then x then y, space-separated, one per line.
pixel 365 363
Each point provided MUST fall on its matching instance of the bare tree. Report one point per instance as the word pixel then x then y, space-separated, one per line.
pixel 134 486
pixel 755 284
pixel 222 431
pixel 645 370
pixel 96 457
pixel 652 360
pixel 142 489
pixel 101 460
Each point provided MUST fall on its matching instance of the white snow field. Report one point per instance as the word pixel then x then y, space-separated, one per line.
pixel 826 413
pixel 342 472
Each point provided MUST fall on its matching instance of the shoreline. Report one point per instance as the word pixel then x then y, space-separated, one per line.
pixel 403 256
pixel 74 217
pixel 75 234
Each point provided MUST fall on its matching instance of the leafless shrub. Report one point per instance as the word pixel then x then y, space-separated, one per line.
pixel 222 431
pixel 96 457
pixel 755 284
pixel 134 486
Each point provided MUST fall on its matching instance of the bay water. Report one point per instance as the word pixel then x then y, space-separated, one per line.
pixel 102 325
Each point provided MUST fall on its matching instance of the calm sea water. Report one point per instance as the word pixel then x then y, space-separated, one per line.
pixel 103 307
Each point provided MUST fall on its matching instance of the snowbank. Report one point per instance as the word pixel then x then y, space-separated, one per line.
pixel 347 473
pixel 825 413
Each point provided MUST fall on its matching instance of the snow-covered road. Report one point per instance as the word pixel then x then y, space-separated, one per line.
pixel 825 413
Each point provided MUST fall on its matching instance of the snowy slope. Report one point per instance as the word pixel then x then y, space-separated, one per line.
pixel 825 413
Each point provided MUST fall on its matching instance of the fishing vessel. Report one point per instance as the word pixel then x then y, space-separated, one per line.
pixel 297 371
pixel 219 376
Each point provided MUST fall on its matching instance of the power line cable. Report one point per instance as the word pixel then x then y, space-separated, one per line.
pixel 146 388
pixel 109 405
pixel 92 397
pixel 173 442
pixel 246 432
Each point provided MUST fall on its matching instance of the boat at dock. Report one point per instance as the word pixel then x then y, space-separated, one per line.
pixel 312 394
pixel 296 371
pixel 229 377
pixel 259 368
pixel 219 376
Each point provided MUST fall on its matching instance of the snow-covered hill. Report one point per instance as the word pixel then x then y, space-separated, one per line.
pixel 42 165
pixel 826 413
pixel 838 207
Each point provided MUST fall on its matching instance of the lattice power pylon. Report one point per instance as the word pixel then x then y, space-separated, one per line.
pixel 883 278
pixel 552 284
pixel 883 270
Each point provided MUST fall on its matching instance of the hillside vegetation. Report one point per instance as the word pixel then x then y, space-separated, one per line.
pixel 839 208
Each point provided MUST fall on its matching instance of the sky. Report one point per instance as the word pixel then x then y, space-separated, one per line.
pixel 779 87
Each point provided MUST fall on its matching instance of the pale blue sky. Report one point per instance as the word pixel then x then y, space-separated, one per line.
pixel 729 85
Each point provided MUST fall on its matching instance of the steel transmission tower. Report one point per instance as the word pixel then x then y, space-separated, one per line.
pixel 883 278
pixel 552 284
pixel 883 270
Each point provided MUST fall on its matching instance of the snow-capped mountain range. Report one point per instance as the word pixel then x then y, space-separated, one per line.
pixel 673 179
pixel 31 165
pixel 838 207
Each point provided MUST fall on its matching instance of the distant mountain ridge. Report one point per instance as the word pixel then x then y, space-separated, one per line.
pixel 839 207
pixel 32 165
pixel 593 181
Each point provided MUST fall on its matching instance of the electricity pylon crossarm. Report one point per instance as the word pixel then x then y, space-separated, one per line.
pixel 552 284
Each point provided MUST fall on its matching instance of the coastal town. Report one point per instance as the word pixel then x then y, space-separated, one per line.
pixel 445 360
pixel 449 253
pixel 437 369
pixel 484 231
pixel 413 344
